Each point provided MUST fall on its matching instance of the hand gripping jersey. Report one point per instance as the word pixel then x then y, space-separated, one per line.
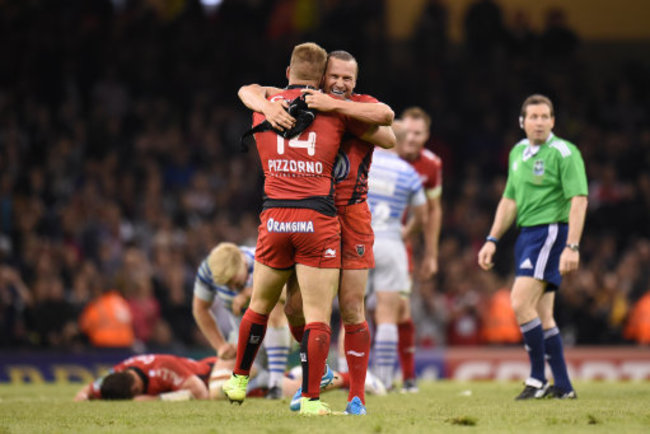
pixel 298 172
pixel 207 290
pixel 160 373
pixel 393 186
pixel 352 165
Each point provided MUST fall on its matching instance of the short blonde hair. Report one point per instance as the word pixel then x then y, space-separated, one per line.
pixel 417 113
pixel 308 61
pixel 224 262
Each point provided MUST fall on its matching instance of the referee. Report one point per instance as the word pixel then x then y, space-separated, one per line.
pixel 547 192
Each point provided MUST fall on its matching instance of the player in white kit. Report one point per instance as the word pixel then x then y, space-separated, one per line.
pixel 394 186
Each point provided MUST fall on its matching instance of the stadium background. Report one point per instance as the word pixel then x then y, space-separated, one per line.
pixel 119 165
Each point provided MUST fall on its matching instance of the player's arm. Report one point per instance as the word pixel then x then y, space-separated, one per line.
pixel 255 97
pixel 208 326
pixel 384 137
pixel 503 218
pixel 417 222
pixel 432 233
pixel 241 300
pixel 375 113
pixel 570 259
pixel 196 386
pixel 84 394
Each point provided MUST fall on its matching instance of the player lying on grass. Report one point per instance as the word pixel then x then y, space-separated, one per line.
pixel 172 378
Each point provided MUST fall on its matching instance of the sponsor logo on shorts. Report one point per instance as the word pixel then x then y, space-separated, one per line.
pixel 277 226
pixel 330 253
pixel 361 249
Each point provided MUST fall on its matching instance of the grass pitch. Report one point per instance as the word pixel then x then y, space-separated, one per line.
pixel 444 406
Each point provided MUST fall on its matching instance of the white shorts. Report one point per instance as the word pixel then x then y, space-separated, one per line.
pixel 391 267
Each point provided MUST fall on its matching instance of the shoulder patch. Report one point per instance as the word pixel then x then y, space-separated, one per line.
pixel 562 147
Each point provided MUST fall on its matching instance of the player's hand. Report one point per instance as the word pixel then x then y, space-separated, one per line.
pixel 569 261
pixel 316 99
pixel 429 267
pixel 227 351
pixel 238 303
pixel 485 255
pixel 278 117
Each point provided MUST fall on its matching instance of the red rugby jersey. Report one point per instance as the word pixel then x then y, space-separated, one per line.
pixel 163 373
pixel 352 165
pixel 429 166
pixel 301 168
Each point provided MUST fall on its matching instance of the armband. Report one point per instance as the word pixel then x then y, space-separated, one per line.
pixel 492 239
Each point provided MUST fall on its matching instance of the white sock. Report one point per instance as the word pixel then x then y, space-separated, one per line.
pixel 343 364
pixel 276 344
pixel 385 353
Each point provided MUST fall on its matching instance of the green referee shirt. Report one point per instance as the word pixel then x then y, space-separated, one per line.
pixel 542 180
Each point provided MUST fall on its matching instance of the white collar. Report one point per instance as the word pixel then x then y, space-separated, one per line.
pixel 532 150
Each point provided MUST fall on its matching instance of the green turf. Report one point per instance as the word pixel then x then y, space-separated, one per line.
pixel 477 407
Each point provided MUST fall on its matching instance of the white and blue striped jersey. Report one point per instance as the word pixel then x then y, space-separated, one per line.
pixel 207 290
pixel 393 185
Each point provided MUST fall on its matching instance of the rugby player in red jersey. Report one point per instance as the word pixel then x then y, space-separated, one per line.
pixel 152 376
pixel 415 124
pixel 299 229
pixel 351 175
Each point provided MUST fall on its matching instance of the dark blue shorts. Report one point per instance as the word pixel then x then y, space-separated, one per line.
pixel 538 250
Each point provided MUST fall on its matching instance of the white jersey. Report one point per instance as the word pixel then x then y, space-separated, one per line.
pixel 207 290
pixel 393 185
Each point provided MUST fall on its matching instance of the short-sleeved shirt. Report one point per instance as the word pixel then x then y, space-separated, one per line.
pixel 394 185
pixel 352 165
pixel 301 168
pixel 542 179
pixel 429 166
pixel 207 290
pixel 160 373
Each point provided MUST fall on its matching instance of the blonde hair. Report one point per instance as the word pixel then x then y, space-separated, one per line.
pixel 417 113
pixel 224 261
pixel 308 61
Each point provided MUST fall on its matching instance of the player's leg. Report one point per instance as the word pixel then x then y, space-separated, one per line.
pixel 293 309
pixel 276 344
pixel 356 343
pixel 318 287
pixel 553 349
pixel 385 354
pixel 267 287
pixel 525 295
pixel 406 345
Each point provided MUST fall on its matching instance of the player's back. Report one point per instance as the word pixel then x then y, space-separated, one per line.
pixel 392 185
pixel 300 168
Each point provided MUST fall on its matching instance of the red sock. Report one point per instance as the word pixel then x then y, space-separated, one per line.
pixel 357 350
pixel 251 334
pixel 297 332
pixel 406 348
pixel 314 349
pixel 345 377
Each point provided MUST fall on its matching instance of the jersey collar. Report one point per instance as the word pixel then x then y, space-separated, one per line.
pixel 532 150
pixel 300 86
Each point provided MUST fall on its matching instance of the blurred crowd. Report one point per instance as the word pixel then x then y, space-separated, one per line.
pixel 120 165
